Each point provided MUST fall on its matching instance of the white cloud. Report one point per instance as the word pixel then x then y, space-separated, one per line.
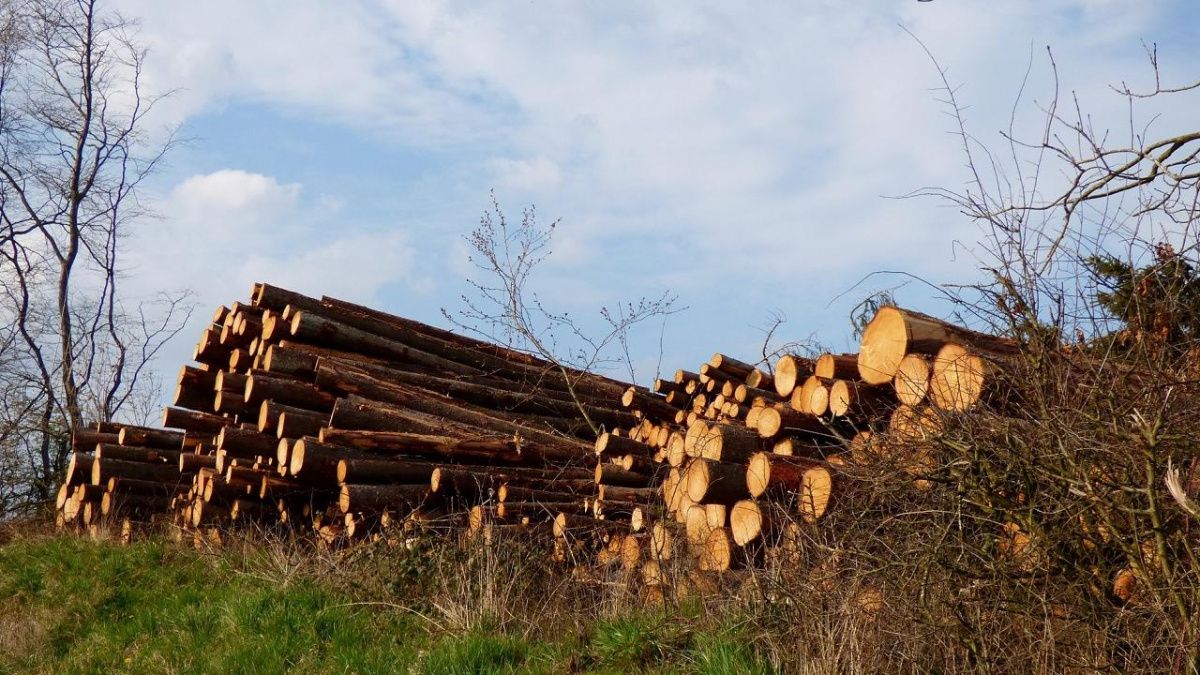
pixel 534 174
pixel 696 143
pixel 231 203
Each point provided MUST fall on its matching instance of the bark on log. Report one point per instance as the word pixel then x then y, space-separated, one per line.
pixel 729 443
pixel 262 386
pixel 609 445
pixel 103 469
pixel 440 406
pixel 715 482
pixel 376 498
pixel 372 471
pixel 147 437
pixel 311 460
pixel 611 474
pixel 131 453
pixel 85 440
pixel 246 444
pixel 191 420
pixel 297 423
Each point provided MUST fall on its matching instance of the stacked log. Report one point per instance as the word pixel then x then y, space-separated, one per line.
pixel 320 414
pixel 323 413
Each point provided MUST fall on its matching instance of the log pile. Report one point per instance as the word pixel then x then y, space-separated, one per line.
pixel 318 413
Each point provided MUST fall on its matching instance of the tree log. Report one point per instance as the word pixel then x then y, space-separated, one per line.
pixel 376 498
pixel 715 482
pixel 894 333
pixel 731 367
pixel 262 386
pixel 791 371
pixel 371 471
pixel 191 420
pixel 103 468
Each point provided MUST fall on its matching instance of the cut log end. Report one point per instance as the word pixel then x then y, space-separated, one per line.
pixel 884 345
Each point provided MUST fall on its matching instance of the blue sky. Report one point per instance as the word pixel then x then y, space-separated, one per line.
pixel 738 158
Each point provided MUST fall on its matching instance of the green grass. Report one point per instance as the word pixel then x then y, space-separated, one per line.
pixel 69 605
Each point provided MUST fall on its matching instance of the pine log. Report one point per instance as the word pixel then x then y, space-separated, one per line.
pixel 297 423
pixel 912 379
pixel 662 542
pixel 518 493
pixel 311 460
pixel 611 474
pixel 632 495
pixel 191 420
pixel 371 471
pixel 836 366
pixel 791 371
pixel 751 521
pixel 274 298
pixel 813 396
pixel 961 379
pixel 135 454
pixel 103 468
pixel 715 482
pixel 232 403
pixel 85 440
pixel 153 488
pixel 914 424
pixel 147 437
pixel 648 404
pixel 777 420
pixel 861 400
pixel 434 404
pixel 758 379
pixel 228 381
pixel 571 524
pixel 731 367
pixel 376 498
pixel 609 445
pixel 502 395
pixel 241 360
pixel 269 412
pixel 319 329
pixel 209 349
pixel 894 332
pixel 745 393
pixel 246 444
pixel 516 365
pixel 729 443
pixel 191 463
pixel 716 553
pixel 112 504
pixel 676 452
pixel 262 386
pixel 535 511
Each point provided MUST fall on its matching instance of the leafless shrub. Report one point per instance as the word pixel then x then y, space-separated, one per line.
pixel 506 309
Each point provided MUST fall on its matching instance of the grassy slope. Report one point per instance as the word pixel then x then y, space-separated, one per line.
pixel 71 605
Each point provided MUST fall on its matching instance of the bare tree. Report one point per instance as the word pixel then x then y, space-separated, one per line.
pixel 506 309
pixel 74 149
